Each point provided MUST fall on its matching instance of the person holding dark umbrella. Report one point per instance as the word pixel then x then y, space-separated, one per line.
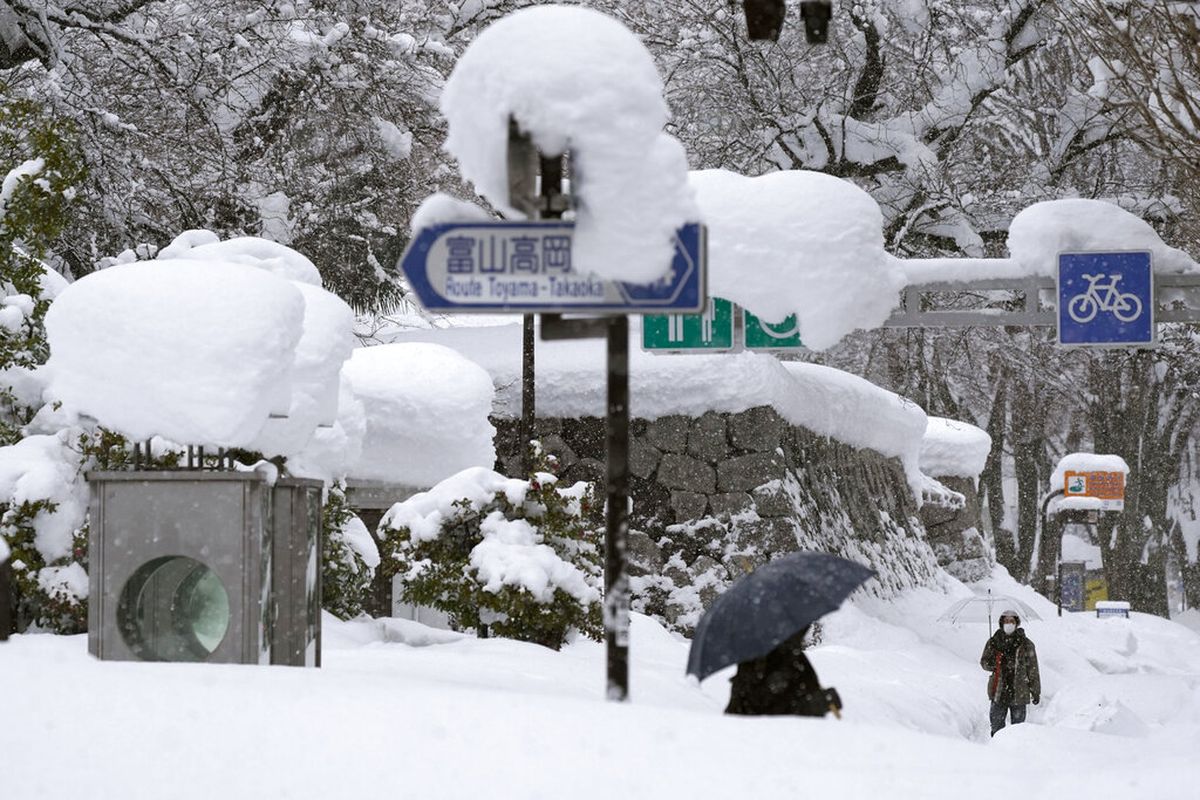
pixel 781 682
pixel 760 623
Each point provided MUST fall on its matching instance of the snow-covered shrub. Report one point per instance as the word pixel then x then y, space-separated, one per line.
pixel 40 169
pixel 348 557
pixel 519 556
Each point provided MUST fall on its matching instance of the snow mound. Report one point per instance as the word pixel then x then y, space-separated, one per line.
pixel 954 449
pixel 426 410
pixel 195 351
pixel 798 242
pixel 249 250
pixel 325 344
pixel 582 83
pixel 1043 230
pixel 333 450
pixel 440 208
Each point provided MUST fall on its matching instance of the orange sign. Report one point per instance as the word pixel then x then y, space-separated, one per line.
pixel 1108 487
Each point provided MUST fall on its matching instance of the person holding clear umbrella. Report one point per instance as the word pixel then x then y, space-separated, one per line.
pixel 1011 659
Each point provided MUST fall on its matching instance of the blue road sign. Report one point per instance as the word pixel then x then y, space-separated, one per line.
pixel 526 267
pixel 1105 299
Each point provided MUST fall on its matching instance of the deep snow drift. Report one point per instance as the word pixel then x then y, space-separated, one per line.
pixel 402 710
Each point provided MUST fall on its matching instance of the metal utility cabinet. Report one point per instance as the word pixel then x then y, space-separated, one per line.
pixel 213 566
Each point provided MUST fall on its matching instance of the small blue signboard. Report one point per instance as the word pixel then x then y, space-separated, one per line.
pixel 1105 299
pixel 526 267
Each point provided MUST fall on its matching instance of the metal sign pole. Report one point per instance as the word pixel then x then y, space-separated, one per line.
pixel 521 189
pixel 5 601
pixel 616 583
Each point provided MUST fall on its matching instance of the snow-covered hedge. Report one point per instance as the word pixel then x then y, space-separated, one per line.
pixel 349 557
pixel 519 556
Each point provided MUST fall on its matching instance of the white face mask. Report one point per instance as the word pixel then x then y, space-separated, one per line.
pixel 1009 628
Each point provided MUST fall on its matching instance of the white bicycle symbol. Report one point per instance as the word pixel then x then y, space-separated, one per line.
pixel 1125 306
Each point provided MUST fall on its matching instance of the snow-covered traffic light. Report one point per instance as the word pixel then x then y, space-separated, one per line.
pixel 764 19
pixel 196 565
pixel 816 15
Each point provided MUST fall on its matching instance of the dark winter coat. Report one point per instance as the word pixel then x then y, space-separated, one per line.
pixel 1012 660
pixel 781 682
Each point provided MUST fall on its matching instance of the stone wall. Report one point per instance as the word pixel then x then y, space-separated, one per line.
pixel 953 533
pixel 715 496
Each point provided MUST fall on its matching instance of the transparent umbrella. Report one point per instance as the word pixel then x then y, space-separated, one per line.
pixel 985 608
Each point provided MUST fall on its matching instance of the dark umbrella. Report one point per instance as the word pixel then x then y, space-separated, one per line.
pixel 769 606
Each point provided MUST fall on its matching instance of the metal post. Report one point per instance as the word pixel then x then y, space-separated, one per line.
pixel 5 601
pixel 522 180
pixel 616 583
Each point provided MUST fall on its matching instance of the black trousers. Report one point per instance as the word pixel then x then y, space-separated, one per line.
pixel 1001 710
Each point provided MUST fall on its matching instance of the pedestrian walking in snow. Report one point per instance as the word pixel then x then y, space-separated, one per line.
pixel 781 682
pixel 1015 682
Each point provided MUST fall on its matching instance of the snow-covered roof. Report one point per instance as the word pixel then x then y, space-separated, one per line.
pixel 577 80
pixel 952 448
pixel 798 242
pixel 425 410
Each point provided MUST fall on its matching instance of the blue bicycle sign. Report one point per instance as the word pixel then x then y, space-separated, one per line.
pixel 1105 299
pixel 1125 306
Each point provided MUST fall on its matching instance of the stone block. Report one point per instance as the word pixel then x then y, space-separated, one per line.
pixel 706 438
pixel 688 505
pixel 554 445
pixel 772 535
pixel 729 503
pixel 748 472
pixel 643 458
pixel 669 434
pixel 771 500
pixel 586 436
pixel 644 556
pixel 687 474
pixel 759 429
pixel 586 469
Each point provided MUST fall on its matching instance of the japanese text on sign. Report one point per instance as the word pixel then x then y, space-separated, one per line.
pixel 1108 487
pixel 517 255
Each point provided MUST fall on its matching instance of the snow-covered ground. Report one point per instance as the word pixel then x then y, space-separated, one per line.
pixel 400 710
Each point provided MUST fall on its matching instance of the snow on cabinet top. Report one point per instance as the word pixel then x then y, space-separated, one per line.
pixel 216 344
pixel 202 245
pixel 571 383
pixel 426 411
pixel 798 242
pixel 579 81
pixel 954 449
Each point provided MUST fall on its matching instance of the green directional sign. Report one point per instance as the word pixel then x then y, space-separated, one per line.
pixel 762 335
pixel 710 330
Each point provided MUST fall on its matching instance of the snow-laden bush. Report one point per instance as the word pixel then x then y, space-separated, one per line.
pixel 519 556
pixel 348 557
